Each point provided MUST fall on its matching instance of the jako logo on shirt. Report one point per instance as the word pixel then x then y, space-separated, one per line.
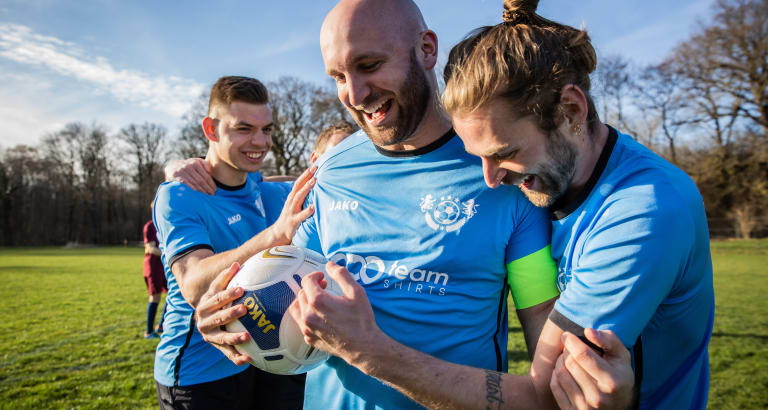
pixel 396 276
pixel 344 205
pixel 449 214
pixel 234 219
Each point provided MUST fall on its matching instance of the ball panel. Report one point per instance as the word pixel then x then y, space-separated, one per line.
pixel 266 307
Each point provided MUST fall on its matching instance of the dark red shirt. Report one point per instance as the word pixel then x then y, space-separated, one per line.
pixel 152 263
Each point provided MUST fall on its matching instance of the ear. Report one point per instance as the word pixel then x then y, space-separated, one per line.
pixel 427 47
pixel 209 129
pixel 313 157
pixel 573 103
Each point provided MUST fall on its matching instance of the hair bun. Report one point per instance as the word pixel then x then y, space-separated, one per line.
pixel 519 11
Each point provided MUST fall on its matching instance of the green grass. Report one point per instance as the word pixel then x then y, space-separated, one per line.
pixel 72 329
pixel 73 320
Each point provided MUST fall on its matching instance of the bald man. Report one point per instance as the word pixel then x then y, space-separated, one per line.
pixel 406 211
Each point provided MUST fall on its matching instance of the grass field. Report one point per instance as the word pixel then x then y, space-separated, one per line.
pixel 72 323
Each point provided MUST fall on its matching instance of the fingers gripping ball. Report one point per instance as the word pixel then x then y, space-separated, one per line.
pixel 271 280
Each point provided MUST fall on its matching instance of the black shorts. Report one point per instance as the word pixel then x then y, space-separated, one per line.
pixel 251 389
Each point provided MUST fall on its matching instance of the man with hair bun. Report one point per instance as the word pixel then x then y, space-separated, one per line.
pixel 629 236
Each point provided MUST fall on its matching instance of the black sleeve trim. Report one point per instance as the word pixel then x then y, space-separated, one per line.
pixel 186 252
pixel 637 358
pixel 567 325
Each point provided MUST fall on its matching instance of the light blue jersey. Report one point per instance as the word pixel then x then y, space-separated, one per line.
pixel 429 242
pixel 186 221
pixel 633 256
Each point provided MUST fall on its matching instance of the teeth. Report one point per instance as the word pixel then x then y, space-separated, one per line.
pixel 254 155
pixel 372 109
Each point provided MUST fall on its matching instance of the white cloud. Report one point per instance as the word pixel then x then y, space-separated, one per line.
pixel 170 95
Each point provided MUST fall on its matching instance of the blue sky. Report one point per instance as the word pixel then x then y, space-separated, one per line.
pixel 118 62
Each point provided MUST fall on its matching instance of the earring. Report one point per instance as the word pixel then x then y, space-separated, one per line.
pixel 577 129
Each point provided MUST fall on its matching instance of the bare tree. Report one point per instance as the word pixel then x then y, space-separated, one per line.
pixel 192 141
pixel 301 110
pixel 616 84
pixel 147 144
pixel 727 61
pixel 660 96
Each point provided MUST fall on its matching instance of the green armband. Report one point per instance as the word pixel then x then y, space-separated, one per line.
pixel 533 278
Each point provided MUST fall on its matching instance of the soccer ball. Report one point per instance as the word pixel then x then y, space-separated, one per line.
pixel 271 279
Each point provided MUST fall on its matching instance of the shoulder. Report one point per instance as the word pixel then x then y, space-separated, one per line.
pixel 645 179
pixel 645 194
pixel 346 148
pixel 176 196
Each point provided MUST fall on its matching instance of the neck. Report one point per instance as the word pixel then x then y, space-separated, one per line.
pixel 589 146
pixel 224 172
pixel 433 126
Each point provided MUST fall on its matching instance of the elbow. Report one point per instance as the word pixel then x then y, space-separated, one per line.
pixel 190 294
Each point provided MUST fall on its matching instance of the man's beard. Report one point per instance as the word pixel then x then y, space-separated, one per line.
pixel 554 176
pixel 414 97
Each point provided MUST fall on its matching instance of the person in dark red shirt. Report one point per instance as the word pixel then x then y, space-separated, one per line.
pixel 154 277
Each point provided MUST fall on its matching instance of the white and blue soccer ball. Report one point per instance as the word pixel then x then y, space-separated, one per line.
pixel 271 280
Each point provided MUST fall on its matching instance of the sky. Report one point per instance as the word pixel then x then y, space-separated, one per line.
pixel 121 62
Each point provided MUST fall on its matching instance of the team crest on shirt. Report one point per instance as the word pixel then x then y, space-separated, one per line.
pixel 448 213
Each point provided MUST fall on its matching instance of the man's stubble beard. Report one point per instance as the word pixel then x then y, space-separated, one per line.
pixel 414 95
pixel 555 176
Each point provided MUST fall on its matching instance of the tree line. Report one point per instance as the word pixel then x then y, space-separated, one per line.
pixel 85 185
pixel 704 108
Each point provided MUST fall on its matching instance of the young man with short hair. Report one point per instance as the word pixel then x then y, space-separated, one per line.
pixel 200 235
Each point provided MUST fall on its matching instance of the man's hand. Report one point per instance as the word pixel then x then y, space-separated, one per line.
pixel 341 325
pixel 214 311
pixel 194 172
pixel 582 379
pixel 292 215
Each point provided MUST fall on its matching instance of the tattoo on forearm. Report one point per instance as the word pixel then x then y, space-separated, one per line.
pixel 493 390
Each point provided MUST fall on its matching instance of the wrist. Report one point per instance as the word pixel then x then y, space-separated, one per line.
pixel 373 352
pixel 277 237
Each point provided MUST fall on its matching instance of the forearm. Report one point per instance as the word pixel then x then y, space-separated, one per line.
pixel 532 321
pixel 436 383
pixel 204 271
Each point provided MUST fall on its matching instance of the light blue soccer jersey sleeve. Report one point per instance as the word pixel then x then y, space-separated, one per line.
pixel 179 225
pixel 627 267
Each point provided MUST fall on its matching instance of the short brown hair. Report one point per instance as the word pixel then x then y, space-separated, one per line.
pixel 526 60
pixel 327 132
pixel 235 88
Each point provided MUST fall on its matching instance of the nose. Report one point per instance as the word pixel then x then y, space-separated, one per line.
pixel 357 90
pixel 261 139
pixel 492 173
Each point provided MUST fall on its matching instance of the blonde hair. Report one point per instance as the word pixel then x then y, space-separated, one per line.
pixel 526 60
pixel 321 144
